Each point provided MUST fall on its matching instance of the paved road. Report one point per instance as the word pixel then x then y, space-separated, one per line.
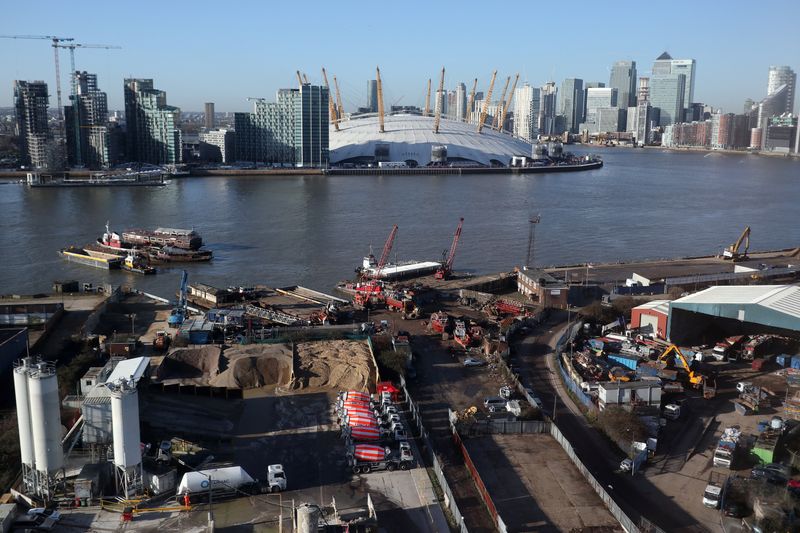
pixel 534 355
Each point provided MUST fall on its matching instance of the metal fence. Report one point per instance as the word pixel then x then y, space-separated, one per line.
pixel 476 478
pixel 429 453
pixel 584 398
pixel 504 427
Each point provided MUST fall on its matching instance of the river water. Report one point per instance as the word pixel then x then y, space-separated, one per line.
pixel 314 230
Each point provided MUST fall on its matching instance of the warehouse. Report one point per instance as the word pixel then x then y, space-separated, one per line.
pixel 718 312
pixel 652 316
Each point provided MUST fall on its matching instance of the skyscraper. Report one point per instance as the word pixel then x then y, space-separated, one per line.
pixel 86 123
pixel 572 103
pixel 643 112
pixel 667 94
pixel 372 96
pixel 311 126
pixel 547 110
pixel 461 102
pixel 153 133
pixel 783 75
pixel 527 103
pixel 665 65
pixel 30 106
pixel 623 79
pixel 208 117
pixel 440 102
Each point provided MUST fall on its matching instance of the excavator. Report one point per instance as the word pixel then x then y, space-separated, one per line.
pixel 697 380
pixel 732 251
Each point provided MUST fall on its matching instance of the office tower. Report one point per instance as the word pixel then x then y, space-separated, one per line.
pixel 623 79
pixel 440 102
pixel 451 105
pixel 527 103
pixel 667 94
pixel 209 119
pixel 586 86
pixel 749 103
pixel 461 103
pixel 666 65
pixel 153 133
pixel 779 76
pixel 372 96
pixel 547 109
pixel 572 103
pixel 30 106
pixel 86 123
pixel 597 97
pixel 311 126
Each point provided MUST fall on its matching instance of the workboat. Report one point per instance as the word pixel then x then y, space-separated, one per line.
pixel 94 259
pixel 187 239
pixel 171 254
pixel 136 264
pixel 111 242
pixel 404 269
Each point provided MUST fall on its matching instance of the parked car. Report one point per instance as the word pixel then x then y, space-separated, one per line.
pixel 626 465
pixel 772 472
pixel 471 361
pixel 494 404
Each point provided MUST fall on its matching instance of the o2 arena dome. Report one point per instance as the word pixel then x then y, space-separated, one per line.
pixel 410 139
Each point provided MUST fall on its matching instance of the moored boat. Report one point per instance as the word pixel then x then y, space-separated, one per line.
pixel 187 239
pixel 136 264
pixel 94 259
pixel 171 254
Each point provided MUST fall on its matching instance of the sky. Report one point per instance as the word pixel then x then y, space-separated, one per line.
pixel 224 52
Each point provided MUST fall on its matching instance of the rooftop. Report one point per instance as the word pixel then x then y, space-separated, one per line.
pixel 132 369
pixel 662 306
pixel 783 298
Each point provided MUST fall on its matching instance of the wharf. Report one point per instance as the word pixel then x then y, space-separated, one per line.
pixel 497 282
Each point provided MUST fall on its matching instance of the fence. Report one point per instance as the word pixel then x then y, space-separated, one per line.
pixel 476 478
pixel 430 455
pixel 505 427
pixel 574 387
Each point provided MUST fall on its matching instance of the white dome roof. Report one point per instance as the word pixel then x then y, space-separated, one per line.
pixel 411 137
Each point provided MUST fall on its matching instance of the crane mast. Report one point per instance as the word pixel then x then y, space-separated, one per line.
pixel 502 102
pixel 471 101
pixel 331 106
pixel 339 108
pixel 507 104
pixel 447 267
pixel 380 101
pixel 488 99
pixel 440 102
pixel 299 78
pixel 428 100
pixel 387 249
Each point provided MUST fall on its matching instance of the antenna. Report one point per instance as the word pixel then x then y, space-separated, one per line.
pixel 535 219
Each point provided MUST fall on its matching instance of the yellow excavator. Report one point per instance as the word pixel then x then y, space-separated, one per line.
pixel 697 380
pixel 732 251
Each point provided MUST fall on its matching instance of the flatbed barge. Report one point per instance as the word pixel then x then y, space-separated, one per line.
pixel 80 256
pixel 147 178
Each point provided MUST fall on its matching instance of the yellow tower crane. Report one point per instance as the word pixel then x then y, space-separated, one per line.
pixel 380 101
pixel 502 102
pixel 471 101
pixel 486 102
pixel 428 100
pixel 507 104
pixel 439 95
pixel 331 106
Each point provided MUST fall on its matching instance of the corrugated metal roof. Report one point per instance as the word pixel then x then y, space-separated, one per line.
pixel 129 369
pixel 661 306
pixel 742 294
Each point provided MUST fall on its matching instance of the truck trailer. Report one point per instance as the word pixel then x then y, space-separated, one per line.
pixel 227 482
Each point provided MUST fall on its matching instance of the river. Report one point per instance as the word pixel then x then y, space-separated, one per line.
pixel 314 231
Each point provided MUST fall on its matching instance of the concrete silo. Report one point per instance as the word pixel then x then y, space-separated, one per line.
pixel 46 431
pixel 127 442
pixel 24 425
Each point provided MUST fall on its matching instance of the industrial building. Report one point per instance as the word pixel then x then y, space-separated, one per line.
pixel 721 311
pixel 653 315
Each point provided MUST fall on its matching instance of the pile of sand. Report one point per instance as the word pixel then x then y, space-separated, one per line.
pixel 335 365
pixel 190 365
pixel 254 366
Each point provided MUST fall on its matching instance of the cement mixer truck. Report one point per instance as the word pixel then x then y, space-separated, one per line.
pixel 228 482
pixel 364 458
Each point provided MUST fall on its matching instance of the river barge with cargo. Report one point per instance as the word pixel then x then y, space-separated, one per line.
pixel 127 178
pixel 188 239
pixel 90 258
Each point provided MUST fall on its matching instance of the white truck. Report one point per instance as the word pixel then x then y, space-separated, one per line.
pixel 726 447
pixel 227 482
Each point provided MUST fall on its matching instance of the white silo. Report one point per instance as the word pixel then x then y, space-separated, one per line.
pixel 45 413
pixel 127 442
pixel 24 424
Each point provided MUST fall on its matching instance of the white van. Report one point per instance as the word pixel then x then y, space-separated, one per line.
pixel 495 403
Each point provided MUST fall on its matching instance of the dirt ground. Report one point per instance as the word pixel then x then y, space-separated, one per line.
pixel 334 365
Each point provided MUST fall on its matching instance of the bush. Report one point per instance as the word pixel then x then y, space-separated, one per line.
pixel 621 426
pixel 389 360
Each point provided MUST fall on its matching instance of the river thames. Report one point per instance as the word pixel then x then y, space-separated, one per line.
pixel 315 230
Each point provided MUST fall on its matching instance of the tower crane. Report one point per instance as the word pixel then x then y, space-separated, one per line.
pixel 339 108
pixel 380 101
pixel 502 103
pixel 471 101
pixel 732 251
pixel 76 108
pixel 486 102
pixel 55 40
pixel 428 100
pixel 447 267
pixel 440 103
pixel 178 314
pixel 331 106
pixel 507 104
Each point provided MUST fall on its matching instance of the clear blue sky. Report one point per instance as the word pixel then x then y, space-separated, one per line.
pixel 226 51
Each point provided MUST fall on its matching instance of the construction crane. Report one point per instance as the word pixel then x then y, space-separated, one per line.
pixel 486 101
pixel 439 103
pixel 55 40
pixel 339 108
pixel 531 239
pixel 502 103
pixel 507 104
pixel 178 314
pixel 471 101
pixel 331 106
pixel 428 100
pixel 380 102
pixel 76 108
pixel 447 266
pixel 732 251
pixel 695 379
pixel 387 249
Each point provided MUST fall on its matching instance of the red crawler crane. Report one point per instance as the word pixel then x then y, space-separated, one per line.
pixel 373 287
pixel 447 267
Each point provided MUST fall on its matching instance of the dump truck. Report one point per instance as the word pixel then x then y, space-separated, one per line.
pixel 726 447
pixel 364 458
pixel 228 481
